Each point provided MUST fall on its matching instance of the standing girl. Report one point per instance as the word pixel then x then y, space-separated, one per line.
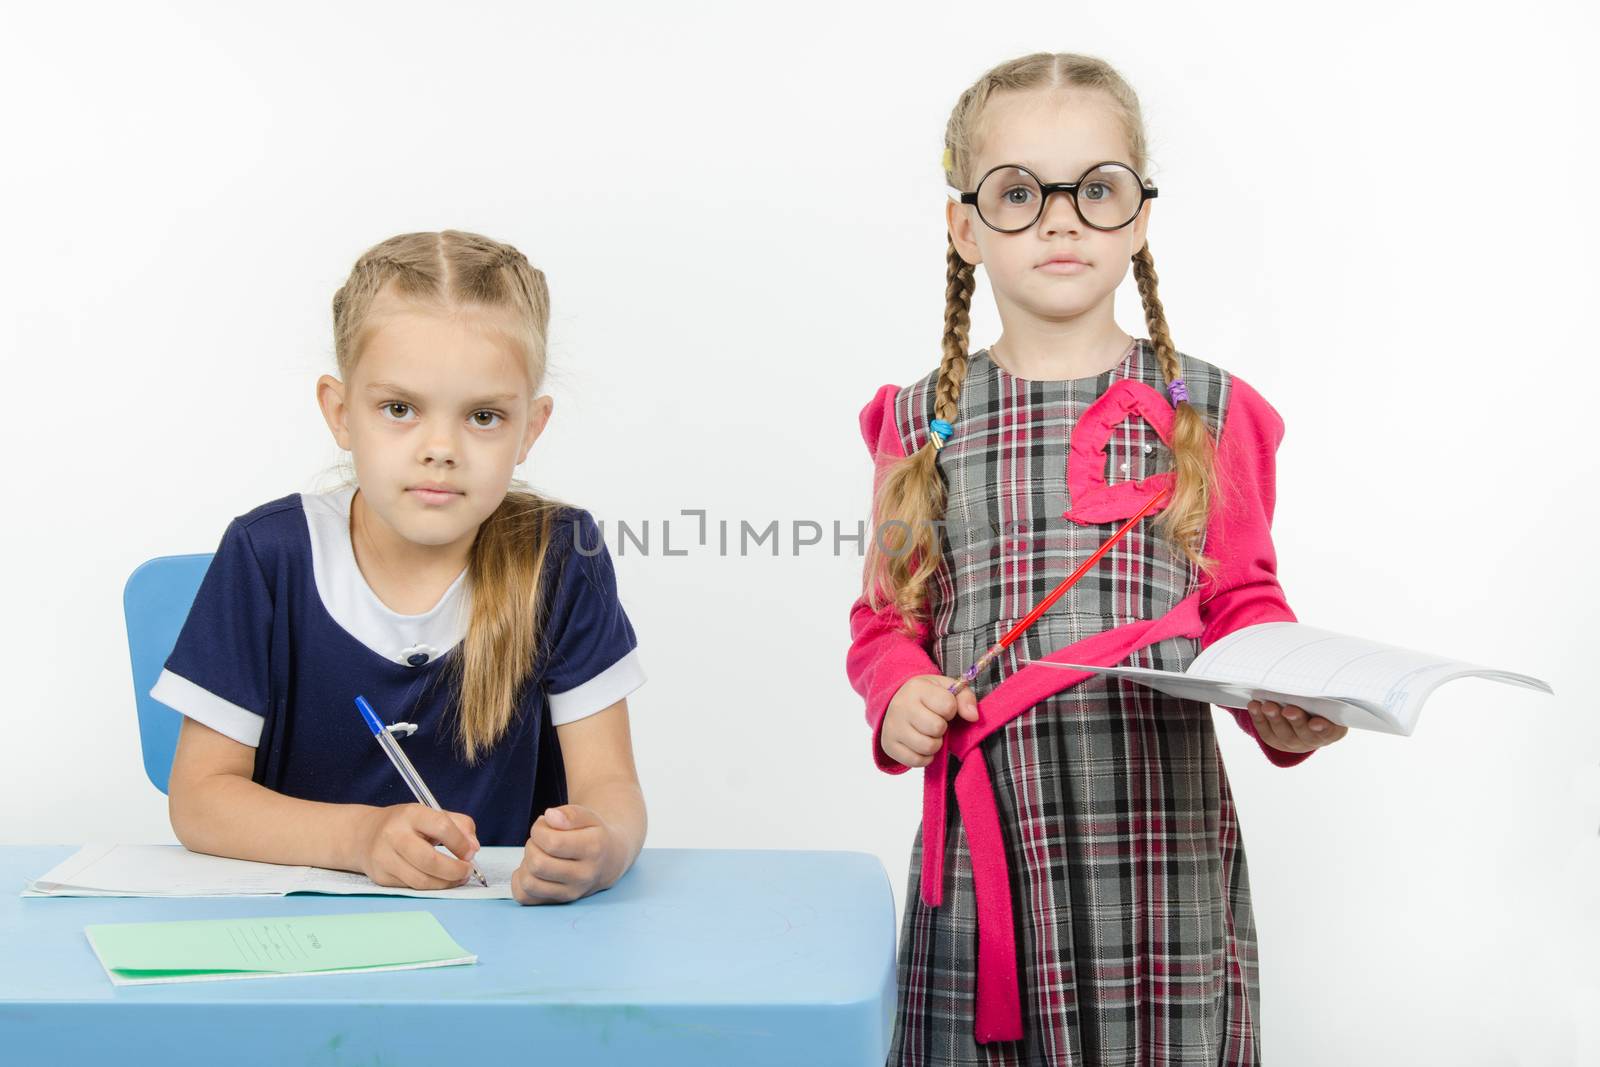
pixel 486 616
pixel 1078 887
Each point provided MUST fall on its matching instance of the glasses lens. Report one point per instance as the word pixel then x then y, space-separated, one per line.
pixel 1109 196
pixel 1008 199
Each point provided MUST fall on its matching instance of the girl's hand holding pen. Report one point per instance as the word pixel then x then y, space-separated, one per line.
pixel 397 846
pixel 568 853
pixel 1290 728
pixel 918 716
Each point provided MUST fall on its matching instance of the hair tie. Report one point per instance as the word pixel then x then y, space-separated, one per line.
pixel 939 432
pixel 946 161
pixel 1177 391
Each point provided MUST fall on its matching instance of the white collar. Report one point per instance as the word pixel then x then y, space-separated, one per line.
pixel 356 608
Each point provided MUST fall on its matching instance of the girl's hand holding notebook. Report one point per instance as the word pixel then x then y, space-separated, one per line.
pixel 1290 728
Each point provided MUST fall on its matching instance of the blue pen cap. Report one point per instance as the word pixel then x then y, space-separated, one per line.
pixel 371 716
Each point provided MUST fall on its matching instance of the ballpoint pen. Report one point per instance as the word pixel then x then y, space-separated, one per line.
pixel 402 763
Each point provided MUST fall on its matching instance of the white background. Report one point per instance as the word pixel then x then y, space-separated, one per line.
pixel 1381 216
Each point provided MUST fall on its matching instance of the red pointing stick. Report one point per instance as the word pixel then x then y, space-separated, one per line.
pixel 1054 595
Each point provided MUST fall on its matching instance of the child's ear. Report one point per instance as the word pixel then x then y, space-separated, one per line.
pixel 538 418
pixel 958 220
pixel 330 398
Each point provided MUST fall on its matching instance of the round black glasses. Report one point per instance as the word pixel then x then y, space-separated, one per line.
pixel 1010 198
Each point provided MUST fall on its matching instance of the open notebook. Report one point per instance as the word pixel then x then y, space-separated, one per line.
pixel 206 950
pixel 174 871
pixel 1355 682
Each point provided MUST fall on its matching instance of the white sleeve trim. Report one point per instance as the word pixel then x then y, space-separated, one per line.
pixel 599 692
pixel 204 706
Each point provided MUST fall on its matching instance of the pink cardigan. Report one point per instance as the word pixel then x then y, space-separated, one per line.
pixel 882 658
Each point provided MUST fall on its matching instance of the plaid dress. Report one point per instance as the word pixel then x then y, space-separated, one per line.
pixel 1134 934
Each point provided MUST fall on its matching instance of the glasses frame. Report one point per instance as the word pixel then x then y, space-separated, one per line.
pixel 1146 192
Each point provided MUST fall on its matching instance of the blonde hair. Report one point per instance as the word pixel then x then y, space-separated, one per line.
pixel 904 551
pixel 453 271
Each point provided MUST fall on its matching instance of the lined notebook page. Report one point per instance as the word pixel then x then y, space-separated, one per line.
pixel 497 862
pixel 162 871
pixel 174 871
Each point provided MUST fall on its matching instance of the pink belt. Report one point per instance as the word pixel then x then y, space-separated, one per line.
pixel 999 1005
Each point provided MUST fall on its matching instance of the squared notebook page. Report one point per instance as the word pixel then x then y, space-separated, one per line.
pixel 100 870
pixel 1351 680
pixel 1317 662
pixel 218 949
pixel 1360 715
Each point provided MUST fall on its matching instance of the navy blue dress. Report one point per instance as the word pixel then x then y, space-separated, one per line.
pixel 285 632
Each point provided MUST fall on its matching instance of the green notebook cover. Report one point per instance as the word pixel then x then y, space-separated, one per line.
pixel 210 949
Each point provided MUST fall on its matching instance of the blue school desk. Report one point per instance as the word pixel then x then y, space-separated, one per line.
pixel 695 957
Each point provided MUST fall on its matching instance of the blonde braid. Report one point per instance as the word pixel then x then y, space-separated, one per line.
pixel 960 284
pixel 904 550
pixel 1183 520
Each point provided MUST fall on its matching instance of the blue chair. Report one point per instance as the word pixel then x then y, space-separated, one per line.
pixel 155 602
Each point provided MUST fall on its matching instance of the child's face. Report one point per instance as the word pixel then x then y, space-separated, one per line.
pixel 1057 134
pixel 437 414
